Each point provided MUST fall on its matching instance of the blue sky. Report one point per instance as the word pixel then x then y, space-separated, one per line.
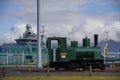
pixel 106 7
pixel 84 17
pixel 6 20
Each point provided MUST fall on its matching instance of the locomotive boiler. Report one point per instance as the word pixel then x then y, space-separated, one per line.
pixel 74 56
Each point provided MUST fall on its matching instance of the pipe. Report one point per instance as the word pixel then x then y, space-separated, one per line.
pixel 95 40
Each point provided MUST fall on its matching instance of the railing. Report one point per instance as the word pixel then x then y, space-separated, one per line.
pixel 20 59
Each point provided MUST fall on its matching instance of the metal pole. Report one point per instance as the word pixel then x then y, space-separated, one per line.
pixel 54 54
pixel 104 57
pixel 90 70
pixel 104 53
pixel 39 61
pixel 3 72
pixel 23 58
pixel 48 71
pixel 7 58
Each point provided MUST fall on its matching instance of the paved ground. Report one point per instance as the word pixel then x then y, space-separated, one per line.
pixel 25 71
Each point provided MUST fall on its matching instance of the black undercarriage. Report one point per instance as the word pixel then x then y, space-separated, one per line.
pixel 75 64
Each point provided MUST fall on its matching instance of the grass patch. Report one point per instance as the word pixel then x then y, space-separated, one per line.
pixel 63 78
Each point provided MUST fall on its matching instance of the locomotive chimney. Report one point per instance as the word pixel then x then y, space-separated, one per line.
pixel 95 40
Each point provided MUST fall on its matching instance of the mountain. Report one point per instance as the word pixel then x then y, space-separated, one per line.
pixel 113 45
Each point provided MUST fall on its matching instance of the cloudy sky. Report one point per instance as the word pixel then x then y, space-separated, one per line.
pixel 70 18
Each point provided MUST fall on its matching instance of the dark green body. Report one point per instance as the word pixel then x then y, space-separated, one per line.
pixel 63 56
pixel 64 53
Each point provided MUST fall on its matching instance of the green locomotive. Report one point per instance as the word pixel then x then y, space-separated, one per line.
pixel 75 56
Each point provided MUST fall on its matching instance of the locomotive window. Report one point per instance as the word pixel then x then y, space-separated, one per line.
pixel 54 44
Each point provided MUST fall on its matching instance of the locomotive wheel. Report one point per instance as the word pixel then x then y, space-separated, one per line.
pixel 56 69
pixel 73 65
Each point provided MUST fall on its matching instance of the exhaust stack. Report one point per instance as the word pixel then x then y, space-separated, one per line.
pixel 95 40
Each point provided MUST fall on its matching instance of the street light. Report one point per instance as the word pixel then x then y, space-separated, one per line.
pixel 106 45
pixel 39 56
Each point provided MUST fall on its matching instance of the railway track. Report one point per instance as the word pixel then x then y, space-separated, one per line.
pixel 25 71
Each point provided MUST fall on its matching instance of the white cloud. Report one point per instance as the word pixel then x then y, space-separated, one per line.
pixel 17 31
pixel 7 38
pixel 114 29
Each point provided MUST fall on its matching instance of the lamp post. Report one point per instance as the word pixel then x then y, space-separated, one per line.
pixel 39 56
pixel 106 45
